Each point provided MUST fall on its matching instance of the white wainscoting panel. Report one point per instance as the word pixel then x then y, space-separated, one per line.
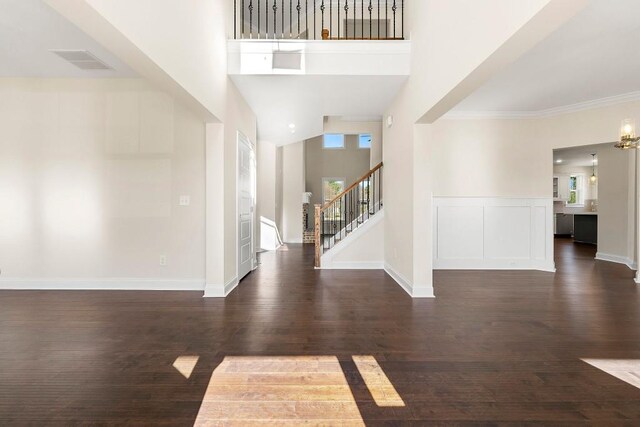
pixel 493 233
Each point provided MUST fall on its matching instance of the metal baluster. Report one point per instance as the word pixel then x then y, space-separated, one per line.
pixel 378 19
pixel 266 19
pixel 306 17
pixel 282 23
pixel 298 10
pixel 373 178
pixel 242 20
pixel 235 19
pixel 394 8
pixel 368 196
pixel 370 9
pixel 258 18
pixel 330 18
pixel 338 20
pixel 362 16
pixel 346 19
pixel 290 19
pixel 250 19
pixel 322 17
pixel 275 18
pixel 402 18
pixel 386 19
pixel 315 29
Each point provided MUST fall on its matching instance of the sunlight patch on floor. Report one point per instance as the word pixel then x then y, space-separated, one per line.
pixel 627 370
pixel 186 364
pixel 280 390
pixel 381 389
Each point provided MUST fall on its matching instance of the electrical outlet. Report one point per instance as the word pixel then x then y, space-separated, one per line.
pixel 163 260
pixel 185 200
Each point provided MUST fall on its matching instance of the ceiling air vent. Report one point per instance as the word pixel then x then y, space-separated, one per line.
pixel 82 59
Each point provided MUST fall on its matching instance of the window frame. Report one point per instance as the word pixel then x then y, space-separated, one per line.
pixel 324 141
pixel 579 190
pixel 360 135
pixel 332 178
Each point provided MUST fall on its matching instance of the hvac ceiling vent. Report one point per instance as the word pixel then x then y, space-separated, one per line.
pixel 82 59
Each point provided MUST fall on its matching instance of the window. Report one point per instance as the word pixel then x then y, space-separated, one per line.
pixel 333 141
pixel 331 188
pixel 576 190
pixel 364 141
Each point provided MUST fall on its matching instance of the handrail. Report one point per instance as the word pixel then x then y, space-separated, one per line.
pixel 347 211
pixel 351 187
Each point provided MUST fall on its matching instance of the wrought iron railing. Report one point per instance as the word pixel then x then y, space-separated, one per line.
pixel 347 211
pixel 319 19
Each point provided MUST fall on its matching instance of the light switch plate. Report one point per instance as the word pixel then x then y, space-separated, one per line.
pixel 185 200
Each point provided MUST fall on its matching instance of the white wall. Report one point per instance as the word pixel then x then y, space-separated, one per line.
pixel 492 233
pixel 186 39
pixel 481 158
pixel 292 188
pixel 362 250
pixel 616 206
pixel 351 127
pixel 90 177
pixel 461 44
pixel 266 194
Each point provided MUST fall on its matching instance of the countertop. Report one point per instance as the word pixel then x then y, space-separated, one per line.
pixel 575 213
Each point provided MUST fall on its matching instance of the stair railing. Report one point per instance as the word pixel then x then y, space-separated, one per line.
pixel 319 19
pixel 347 211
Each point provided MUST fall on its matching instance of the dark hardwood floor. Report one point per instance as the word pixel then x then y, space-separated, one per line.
pixel 492 348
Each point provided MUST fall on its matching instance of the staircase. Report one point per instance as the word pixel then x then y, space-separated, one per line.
pixel 347 212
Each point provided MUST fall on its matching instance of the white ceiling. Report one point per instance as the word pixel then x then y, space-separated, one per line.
pixel 593 56
pixel 580 156
pixel 304 100
pixel 30 28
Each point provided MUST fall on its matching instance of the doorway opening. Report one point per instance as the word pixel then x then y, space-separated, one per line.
pixel 594 200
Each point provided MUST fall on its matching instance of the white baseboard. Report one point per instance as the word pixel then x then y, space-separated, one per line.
pixel 220 291
pixel 413 291
pixel 493 264
pixel 354 265
pixel 96 284
pixel 617 259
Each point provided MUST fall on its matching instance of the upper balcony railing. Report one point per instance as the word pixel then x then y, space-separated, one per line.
pixel 319 19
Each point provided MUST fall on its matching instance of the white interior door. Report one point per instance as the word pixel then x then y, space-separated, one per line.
pixel 246 202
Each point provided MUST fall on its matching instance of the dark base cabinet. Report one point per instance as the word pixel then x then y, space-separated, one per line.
pixel 585 229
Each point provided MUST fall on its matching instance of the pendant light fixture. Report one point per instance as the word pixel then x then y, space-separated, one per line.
pixel 593 177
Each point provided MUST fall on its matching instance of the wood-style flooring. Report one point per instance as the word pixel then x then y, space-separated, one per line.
pixel 295 345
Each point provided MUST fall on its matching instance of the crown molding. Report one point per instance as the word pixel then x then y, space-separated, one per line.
pixel 550 112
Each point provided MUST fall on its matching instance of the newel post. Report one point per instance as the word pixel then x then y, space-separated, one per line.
pixel 316 239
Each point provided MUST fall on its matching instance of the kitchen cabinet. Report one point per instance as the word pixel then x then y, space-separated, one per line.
pixel 561 188
pixel 564 224
pixel 586 228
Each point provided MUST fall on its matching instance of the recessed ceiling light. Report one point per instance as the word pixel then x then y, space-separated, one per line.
pixel 292 126
pixel 559 161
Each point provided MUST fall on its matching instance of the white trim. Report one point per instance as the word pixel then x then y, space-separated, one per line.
pixel 550 112
pixel 413 291
pixel 110 284
pixel 294 241
pixel 601 256
pixel 538 256
pixel 220 291
pixel 354 265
